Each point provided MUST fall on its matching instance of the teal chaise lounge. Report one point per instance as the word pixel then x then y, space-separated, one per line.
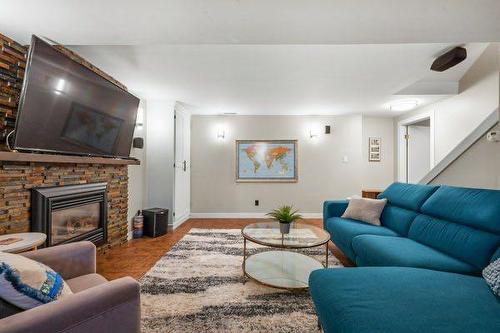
pixel 417 272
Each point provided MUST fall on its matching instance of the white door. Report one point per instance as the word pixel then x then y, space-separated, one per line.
pixel 182 181
pixel 419 146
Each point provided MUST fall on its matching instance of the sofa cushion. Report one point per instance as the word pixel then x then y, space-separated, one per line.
pixel 84 282
pixel 344 230
pixel 477 208
pixel 398 299
pixel 334 208
pixel 26 283
pixel 397 219
pixel 496 255
pixel 409 196
pixel 374 250
pixel 470 245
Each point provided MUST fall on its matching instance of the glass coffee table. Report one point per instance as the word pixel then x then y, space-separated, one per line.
pixel 282 268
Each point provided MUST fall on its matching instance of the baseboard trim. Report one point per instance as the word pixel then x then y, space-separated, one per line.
pixel 245 215
pixel 178 222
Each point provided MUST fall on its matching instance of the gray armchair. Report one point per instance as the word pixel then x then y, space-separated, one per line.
pixel 97 305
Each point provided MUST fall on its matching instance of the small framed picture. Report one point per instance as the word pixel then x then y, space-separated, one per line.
pixel 374 149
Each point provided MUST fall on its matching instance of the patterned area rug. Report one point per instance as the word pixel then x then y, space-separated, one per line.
pixel 198 287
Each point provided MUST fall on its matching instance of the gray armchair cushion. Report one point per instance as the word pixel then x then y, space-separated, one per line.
pixel 85 282
pixel 69 260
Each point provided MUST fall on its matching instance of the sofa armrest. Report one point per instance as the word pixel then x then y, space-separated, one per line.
pixel 112 307
pixel 334 208
pixel 69 260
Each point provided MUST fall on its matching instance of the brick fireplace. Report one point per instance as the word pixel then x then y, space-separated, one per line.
pixel 21 172
pixel 18 179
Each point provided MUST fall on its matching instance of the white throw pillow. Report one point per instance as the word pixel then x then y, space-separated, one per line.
pixel 366 210
pixel 26 283
pixel 491 275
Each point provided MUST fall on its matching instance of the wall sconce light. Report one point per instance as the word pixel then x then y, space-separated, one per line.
pixel 221 134
pixel 139 120
pixel 313 134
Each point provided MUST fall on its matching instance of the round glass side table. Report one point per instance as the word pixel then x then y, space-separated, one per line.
pixel 281 267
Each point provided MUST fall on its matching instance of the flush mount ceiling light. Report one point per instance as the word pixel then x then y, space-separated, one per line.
pixel 405 105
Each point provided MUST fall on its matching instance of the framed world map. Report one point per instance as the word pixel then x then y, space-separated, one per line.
pixel 266 161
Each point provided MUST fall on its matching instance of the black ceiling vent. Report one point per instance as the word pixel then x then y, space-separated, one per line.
pixel 449 59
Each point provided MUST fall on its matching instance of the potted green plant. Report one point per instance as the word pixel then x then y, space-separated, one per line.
pixel 285 215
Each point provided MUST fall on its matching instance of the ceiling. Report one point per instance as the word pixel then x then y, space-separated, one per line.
pixel 277 79
pixel 267 57
pixel 122 22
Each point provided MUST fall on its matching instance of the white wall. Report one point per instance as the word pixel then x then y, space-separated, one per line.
pixel 160 155
pixel 137 175
pixel 378 175
pixel 322 173
pixel 478 167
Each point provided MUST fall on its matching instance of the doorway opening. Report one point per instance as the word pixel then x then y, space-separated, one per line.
pixel 415 148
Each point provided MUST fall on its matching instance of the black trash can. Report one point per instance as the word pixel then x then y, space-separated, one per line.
pixel 155 221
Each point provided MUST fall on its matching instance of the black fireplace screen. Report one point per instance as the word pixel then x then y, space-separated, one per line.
pixel 71 222
pixel 70 213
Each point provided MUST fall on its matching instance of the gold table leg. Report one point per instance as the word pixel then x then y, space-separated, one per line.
pixel 326 264
pixel 244 259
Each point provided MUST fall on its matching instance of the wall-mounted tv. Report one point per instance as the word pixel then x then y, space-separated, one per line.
pixel 67 108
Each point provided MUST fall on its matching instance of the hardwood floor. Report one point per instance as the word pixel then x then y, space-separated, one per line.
pixel 137 256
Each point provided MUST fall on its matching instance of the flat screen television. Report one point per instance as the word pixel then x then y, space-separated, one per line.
pixel 67 108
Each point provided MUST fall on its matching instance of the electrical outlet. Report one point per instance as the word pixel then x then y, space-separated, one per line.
pixel 256 202
pixel 493 136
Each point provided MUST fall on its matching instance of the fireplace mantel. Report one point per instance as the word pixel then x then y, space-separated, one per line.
pixel 53 158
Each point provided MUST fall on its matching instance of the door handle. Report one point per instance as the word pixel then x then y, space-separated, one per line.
pixel 184 166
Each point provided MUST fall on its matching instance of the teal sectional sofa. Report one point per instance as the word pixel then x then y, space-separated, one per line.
pixel 417 272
